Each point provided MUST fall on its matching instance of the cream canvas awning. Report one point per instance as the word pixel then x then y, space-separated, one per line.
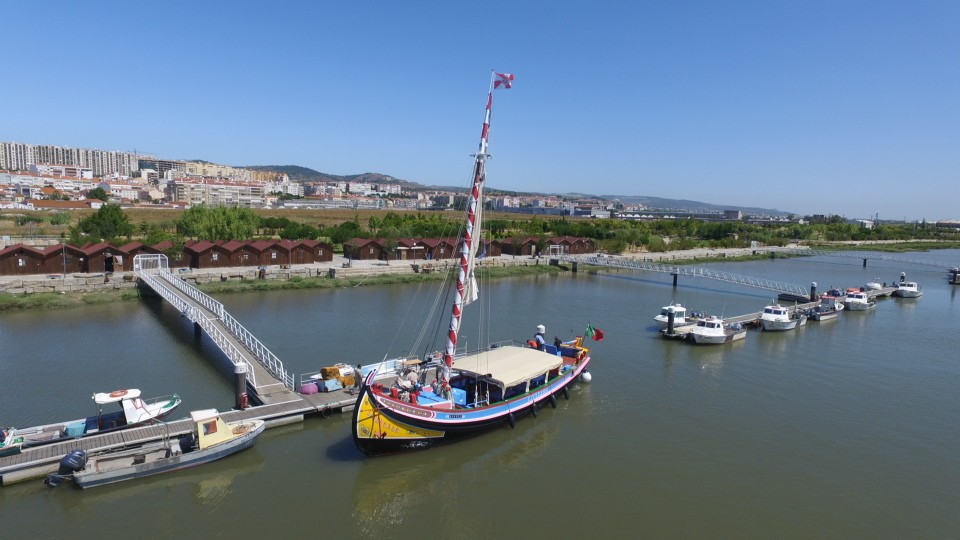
pixel 508 365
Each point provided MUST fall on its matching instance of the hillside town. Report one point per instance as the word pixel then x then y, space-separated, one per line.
pixel 39 177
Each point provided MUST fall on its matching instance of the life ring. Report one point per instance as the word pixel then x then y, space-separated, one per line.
pixel 118 393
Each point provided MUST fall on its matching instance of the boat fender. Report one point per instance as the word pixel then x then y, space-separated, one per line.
pixel 566 393
pixel 553 401
pixel 533 409
pixel 326 412
pixel 74 461
pixel 512 420
pixel 586 376
pixel 118 393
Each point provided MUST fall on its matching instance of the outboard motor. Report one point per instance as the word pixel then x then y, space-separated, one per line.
pixel 188 443
pixel 73 462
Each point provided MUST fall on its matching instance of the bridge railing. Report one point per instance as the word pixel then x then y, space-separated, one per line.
pixel 691 271
pixel 269 360
pixel 197 316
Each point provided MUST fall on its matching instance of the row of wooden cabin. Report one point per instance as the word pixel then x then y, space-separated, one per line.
pixel 22 259
pixel 448 248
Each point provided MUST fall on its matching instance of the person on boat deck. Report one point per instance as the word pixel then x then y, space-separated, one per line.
pixel 357 379
pixel 538 337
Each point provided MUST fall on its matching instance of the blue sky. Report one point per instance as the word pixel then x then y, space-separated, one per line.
pixel 849 108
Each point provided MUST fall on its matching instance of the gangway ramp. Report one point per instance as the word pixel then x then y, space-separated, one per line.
pixel 266 375
pixel 689 271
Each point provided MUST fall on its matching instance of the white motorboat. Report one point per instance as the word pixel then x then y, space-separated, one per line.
pixel 779 318
pixel 134 411
pixel 829 308
pixel 908 289
pixel 680 317
pixel 859 301
pixel 713 331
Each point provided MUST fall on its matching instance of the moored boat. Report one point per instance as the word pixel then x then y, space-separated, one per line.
pixel 474 391
pixel 680 317
pixel 211 439
pixel 908 289
pixel 134 411
pixel 714 330
pixel 857 300
pixel 829 308
pixel 779 318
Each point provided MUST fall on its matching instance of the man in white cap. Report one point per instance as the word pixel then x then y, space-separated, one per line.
pixel 538 337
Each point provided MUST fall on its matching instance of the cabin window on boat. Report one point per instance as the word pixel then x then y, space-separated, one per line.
pixel 210 427
pixel 515 390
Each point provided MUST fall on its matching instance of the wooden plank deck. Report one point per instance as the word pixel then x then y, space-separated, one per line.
pixel 39 461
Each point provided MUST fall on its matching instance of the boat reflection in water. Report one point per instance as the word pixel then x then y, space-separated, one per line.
pixel 394 492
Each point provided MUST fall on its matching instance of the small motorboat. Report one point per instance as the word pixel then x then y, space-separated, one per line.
pixel 680 317
pixel 211 439
pixel 857 300
pixel 714 330
pixel 134 411
pixel 779 318
pixel 829 308
pixel 908 289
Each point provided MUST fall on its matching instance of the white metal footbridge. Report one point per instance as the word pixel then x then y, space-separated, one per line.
pixel 265 372
pixel 689 271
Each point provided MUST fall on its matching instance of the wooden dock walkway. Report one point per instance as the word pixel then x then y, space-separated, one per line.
pixel 39 461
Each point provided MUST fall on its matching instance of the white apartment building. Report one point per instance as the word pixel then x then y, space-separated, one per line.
pixel 19 156
pixel 212 192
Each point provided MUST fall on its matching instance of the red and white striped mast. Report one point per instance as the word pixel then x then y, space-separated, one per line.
pixel 467 250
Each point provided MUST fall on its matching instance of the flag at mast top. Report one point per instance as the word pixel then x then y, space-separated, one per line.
pixel 503 79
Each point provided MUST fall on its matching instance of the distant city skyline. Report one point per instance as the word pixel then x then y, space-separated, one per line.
pixel 845 108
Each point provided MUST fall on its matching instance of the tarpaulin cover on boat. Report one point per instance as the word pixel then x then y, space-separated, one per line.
pixel 508 365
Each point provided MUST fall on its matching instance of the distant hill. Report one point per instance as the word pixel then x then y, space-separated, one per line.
pixel 691 206
pixel 304 174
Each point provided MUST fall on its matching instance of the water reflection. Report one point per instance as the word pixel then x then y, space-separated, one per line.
pixel 208 485
pixel 391 492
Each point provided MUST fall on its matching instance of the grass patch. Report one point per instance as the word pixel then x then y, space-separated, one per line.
pixel 889 248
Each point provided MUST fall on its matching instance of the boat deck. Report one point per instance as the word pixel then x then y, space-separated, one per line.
pixel 39 461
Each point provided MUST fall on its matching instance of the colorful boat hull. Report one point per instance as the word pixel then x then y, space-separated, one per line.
pixel 383 424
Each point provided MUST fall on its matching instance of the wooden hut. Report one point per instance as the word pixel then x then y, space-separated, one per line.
pixel 440 248
pixel 63 259
pixel 100 257
pixel 205 254
pixel 21 259
pixel 410 249
pixel 322 251
pixel 364 249
pixel 242 253
pixel 176 258
pixel 269 252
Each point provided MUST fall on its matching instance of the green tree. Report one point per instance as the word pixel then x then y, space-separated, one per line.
pixel 107 224
pixel 220 223
pixel 98 193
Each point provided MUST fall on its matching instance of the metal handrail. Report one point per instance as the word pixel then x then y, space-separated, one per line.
pixel 690 271
pixel 266 358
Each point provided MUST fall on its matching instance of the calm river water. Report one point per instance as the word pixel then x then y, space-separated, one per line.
pixel 844 429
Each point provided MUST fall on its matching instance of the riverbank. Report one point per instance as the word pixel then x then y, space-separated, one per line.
pixel 75 290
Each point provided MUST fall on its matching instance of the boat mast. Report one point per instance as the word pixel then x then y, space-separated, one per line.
pixel 467 251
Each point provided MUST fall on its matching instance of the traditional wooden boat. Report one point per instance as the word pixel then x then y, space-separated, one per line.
pixel 212 438
pixel 474 391
pixel 134 411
